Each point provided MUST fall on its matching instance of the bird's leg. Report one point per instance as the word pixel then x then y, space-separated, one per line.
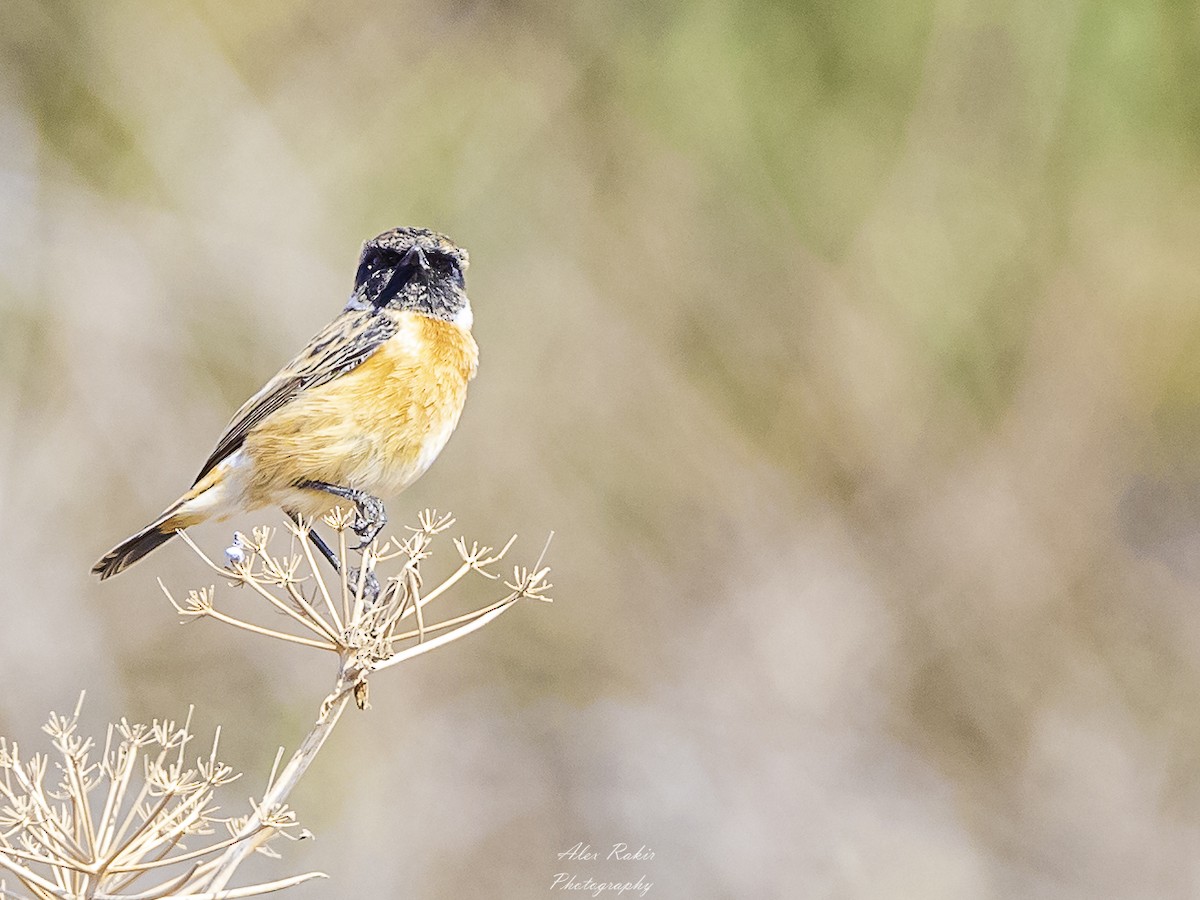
pixel 319 543
pixel 371 583
pixel 370 517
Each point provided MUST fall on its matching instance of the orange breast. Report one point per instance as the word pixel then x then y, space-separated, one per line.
pixel 378 427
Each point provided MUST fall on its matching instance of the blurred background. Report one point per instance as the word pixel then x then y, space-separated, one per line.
pixel 852 351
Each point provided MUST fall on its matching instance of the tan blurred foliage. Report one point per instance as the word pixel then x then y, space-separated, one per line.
pixel 850 348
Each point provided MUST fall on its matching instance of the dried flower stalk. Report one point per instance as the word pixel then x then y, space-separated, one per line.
pixel 110 825
pixel 368 627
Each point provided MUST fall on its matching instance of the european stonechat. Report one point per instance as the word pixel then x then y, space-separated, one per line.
pixel 363 410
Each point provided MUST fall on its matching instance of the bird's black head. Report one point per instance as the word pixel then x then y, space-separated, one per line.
pixel 413 269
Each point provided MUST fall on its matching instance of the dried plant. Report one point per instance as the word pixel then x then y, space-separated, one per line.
pixel 103 824
pixel 76 841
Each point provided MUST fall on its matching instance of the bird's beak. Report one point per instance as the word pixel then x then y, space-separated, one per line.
pixel 415 257
pixel 375 292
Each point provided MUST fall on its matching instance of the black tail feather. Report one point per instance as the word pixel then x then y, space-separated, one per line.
pixel 132 549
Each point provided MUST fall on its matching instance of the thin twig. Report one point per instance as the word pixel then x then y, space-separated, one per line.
pixel 461 631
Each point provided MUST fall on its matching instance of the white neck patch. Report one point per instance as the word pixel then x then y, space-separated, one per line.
pixel 464 318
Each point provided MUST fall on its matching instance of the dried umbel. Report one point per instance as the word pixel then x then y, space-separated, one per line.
pixel 369 627
pixel 138 819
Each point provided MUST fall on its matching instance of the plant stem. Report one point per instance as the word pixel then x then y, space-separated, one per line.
pixel 277 793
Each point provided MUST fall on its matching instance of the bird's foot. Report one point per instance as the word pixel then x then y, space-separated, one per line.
pixel 370 586
pixel 369 520
pixel 370 516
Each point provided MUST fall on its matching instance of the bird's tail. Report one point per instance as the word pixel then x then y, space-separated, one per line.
pixel 157 533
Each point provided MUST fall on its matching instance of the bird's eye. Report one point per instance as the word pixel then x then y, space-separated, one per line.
pixel 446 267
pixel 373 261
pixel 376 260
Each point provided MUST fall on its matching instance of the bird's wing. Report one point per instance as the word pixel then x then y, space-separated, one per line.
pixel 340 346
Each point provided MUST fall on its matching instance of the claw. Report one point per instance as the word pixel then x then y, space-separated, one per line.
pixel 369 520
pixel 370 588
pixel 370 515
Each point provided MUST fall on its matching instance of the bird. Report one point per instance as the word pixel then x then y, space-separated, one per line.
pixel 362 411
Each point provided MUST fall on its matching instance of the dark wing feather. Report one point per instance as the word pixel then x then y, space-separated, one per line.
pixel 340 346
